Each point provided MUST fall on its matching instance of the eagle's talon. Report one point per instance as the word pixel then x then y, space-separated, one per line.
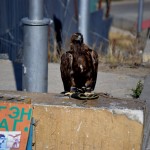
pixel 73 89
pixel 80 91
pixel 87 93
pixel 83 89
pixel 69 93
pixel 88 89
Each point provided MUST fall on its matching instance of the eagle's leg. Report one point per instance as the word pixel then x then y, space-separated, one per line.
pixel 72 88
pixel 89 85
pixel 73 85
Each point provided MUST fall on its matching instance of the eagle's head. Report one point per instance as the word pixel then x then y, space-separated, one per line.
pixel 77 38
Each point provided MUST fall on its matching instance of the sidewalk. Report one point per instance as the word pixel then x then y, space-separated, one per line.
pixel 117 85
pixel 125 13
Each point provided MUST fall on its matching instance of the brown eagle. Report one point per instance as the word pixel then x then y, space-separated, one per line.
pixel 79 66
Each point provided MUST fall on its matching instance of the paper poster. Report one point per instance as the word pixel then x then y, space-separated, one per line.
pixel 10 140
pixel 15 121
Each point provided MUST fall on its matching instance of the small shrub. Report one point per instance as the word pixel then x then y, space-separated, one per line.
pixel 138 90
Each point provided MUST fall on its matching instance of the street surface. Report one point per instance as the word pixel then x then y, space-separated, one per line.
pixel 129 9
pixel 115 84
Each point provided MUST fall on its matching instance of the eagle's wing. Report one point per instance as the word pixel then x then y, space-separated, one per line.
pixel 66 71
pixel 94 58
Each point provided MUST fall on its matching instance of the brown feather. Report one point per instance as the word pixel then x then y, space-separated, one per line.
pixel 79 65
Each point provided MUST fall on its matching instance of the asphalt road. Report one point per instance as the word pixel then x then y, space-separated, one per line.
pixel 129 9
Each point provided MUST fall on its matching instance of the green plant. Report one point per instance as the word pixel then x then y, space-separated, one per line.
pixel 138 90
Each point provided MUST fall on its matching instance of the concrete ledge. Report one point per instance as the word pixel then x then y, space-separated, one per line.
pixel 146 54
pixel 145 95
pixel 105 123
pixel 146 57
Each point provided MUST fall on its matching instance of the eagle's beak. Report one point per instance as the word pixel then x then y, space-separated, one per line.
pixel 79 38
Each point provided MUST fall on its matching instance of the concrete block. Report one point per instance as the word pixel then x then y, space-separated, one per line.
pixel 106 123
pixel 146 54
pixel 145 95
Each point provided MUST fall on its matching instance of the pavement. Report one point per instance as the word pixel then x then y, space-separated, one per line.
pixel 125 13
pixel 146 54
pixel 128 9
pixel 117 85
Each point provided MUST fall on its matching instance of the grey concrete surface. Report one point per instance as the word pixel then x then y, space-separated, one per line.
pixel 128 9
pixel 145 95
pixel 146 54
pixel 125 13
pixel 116 85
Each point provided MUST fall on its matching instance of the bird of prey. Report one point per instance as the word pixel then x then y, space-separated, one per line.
pixel 79 66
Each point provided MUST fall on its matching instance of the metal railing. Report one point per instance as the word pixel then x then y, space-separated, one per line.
pixel 10 28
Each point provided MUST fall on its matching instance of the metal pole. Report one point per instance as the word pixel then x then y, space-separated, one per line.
pixel 36 9
pixel 35 59
pixel 140 17
pixel 84 19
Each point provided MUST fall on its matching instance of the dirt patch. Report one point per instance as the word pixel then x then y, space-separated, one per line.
pixel 135 71
pixel 124 54
pixel 124 48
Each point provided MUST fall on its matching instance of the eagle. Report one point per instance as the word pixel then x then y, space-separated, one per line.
pixel 79 66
